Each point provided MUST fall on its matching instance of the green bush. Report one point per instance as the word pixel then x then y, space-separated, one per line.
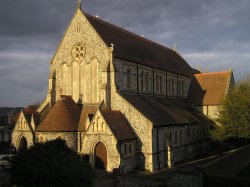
pixel 50 164
pixel 234 115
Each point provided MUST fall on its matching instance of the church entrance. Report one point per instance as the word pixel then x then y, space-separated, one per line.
pixel 23 144
pixel 100 156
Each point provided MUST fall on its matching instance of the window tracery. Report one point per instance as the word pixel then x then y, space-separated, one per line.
pixel 78 51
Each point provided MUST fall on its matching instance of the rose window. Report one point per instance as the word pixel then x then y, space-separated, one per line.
pixel 78 51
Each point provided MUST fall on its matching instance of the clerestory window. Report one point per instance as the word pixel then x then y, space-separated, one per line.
pixel 129 79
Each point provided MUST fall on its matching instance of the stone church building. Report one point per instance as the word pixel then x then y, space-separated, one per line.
pixel 119 99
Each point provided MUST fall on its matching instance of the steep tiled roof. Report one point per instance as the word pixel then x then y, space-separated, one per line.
pixel 28 112
pixel 87 112
pixel 132 47
pixel 209 88
pixel 118 125
pixel 165 111
pixel 63 117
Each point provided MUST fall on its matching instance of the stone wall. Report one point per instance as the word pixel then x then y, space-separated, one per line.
pixel 185 179
pixel 23 129
pixel 141 125
pixel 99 131
pixel 154 143
pixel 211 111
pixel 128 163
pixel 138 181
pixel 171 179
pixel 126 69
pixel 81 57
pixel 135 78
pixel 69 137
pixel 17 135
pixel 175 143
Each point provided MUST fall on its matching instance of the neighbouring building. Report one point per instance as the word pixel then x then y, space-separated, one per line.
pixel 8 116
pixel 118 98
pixel 7 122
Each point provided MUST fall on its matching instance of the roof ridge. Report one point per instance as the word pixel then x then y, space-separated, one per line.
pixel 217 72
pixel 129 32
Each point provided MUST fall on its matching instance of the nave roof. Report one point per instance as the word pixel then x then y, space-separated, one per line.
pixel 131 47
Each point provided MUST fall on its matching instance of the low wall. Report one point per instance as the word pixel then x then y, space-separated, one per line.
pixel 171 179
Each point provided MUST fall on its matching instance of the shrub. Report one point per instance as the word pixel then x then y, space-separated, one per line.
pixel 50 164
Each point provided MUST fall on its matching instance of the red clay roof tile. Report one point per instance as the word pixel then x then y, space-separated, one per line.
pixel 87 110
pixel 209 88
pixel 63 117
pixel 119 125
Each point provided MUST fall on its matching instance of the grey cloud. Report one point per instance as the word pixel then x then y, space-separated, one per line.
pixel 212 33
pixel 31 17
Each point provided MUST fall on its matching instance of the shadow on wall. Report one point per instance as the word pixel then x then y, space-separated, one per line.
pixel 196 94
pixel 139 156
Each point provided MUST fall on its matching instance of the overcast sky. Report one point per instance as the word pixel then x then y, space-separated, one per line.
pixel 213 33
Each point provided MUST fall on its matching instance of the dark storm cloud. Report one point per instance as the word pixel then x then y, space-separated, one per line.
pixel 212 33
pixel 31 17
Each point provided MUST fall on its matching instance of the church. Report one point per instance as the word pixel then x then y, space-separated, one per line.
pixel 117 98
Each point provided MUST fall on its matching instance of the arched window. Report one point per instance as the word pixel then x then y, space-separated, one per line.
pixel 176 137
pixel 94 127
pixel 169 85
pixel 180 137
pixel 160 84
pixel 170 137
pixel 156 84
pixel 103 127
pixel 22 123
pixel 65 78
pixel 128 79
pixel 54 82
pixel 141 81
pixel 197 131
pixel 182 89
pixel 166 141
pixel 125 149
pixel 97 125
pixel 75 81
pixel 130 148
pixel 172 86
pixel 147 81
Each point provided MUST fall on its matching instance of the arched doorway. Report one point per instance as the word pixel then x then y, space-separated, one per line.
pixel 23 144
pixel 100 156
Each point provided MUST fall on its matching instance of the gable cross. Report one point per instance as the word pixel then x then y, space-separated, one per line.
pixel 79 2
